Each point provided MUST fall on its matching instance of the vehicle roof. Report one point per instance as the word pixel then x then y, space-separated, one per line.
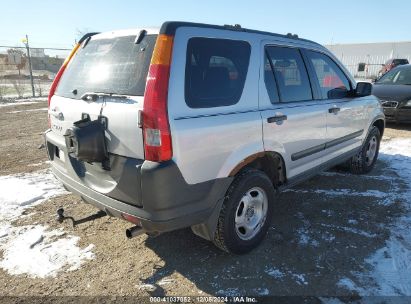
pixel 393 59
pixel 402 67
pixel 170 27
pixel 126 32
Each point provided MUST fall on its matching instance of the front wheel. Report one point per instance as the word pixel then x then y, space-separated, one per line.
pixel 365 160
pixel 246 212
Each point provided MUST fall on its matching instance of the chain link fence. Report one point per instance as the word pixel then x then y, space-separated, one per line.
pixel 15 70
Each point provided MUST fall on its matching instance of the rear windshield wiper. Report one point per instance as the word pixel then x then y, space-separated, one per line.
pixel 93 96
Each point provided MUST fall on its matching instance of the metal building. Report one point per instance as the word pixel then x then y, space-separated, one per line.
pixel 373 55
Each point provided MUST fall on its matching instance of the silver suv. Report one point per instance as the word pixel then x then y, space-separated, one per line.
pixel 199 126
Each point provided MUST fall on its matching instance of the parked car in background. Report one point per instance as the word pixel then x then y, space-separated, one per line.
pixel 199 126
pixel 390 64
pixel 394 91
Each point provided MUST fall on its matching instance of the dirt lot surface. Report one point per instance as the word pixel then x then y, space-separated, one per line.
pixel 321 234
pixel 21 129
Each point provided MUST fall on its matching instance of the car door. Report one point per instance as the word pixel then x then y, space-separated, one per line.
pixel 346 115
pixel 294 120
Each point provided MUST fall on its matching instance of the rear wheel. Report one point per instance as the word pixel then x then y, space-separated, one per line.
pixel 246 213
pixel 365 160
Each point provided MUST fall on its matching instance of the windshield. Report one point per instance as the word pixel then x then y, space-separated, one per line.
pixel 396 76
pixel 116 65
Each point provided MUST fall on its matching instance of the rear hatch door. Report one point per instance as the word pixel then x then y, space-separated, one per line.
pixel 112 68
pixel 106 77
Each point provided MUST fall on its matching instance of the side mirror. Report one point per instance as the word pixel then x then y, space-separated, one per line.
pixel 363 89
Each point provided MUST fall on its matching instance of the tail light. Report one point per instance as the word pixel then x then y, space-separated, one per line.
pixel 156 128
pixel 59 74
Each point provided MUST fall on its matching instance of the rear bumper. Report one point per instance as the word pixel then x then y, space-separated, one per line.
pixel 398 114
pixel 166 202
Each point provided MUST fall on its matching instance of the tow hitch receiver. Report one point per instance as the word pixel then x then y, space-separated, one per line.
pixel 61 217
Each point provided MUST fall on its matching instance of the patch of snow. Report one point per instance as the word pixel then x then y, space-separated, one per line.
pixel 36 164
pixel 299 278
pixel 165 281
pixel 148 287
pixel 229 292
pixel 8 104
pixel 275 273
pixel 21 191
pixel 328 237
pixel 42 98
pixel 29 110
pixel 349 229
pixel 304 239
pixel 32 251
pixel 278 274
pixel 4 231
pixel 368 176
pixel 342 192
pixel 390 273
pixel 262 291
pixel 349 284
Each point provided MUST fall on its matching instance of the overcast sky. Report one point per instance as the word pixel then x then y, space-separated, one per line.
pixel 56 23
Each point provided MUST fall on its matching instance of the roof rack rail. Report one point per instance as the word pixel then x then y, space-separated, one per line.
pixel 292 36
pixel 236 27
pixel 170 27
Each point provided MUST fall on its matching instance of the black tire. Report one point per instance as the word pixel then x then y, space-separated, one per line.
pixel 227 234
pixel 361 163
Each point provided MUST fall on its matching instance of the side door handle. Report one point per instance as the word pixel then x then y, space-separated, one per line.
pixel 276 118
pixel 334 110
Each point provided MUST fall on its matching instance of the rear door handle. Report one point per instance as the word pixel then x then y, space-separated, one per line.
pixel 334 110
pixel 276 118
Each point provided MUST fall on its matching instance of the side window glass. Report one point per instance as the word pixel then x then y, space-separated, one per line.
pixel 290 74
pixel 332 81
pixel 216 71
pixel 270 81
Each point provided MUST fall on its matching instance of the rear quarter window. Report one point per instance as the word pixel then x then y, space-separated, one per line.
pixel 216 70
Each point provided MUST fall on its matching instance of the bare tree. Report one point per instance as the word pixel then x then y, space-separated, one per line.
pixel 18 85
pixel 3 87
pixel 23 57
pixel 37 87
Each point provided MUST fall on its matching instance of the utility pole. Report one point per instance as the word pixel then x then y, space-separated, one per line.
pixel 26 42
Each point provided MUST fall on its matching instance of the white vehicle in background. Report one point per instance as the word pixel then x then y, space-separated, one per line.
pixel 198 125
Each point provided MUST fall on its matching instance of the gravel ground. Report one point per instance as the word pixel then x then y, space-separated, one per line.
pixel 320 234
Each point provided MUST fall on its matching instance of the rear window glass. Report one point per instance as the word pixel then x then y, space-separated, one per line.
pixel 216 70
pixel 115 65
